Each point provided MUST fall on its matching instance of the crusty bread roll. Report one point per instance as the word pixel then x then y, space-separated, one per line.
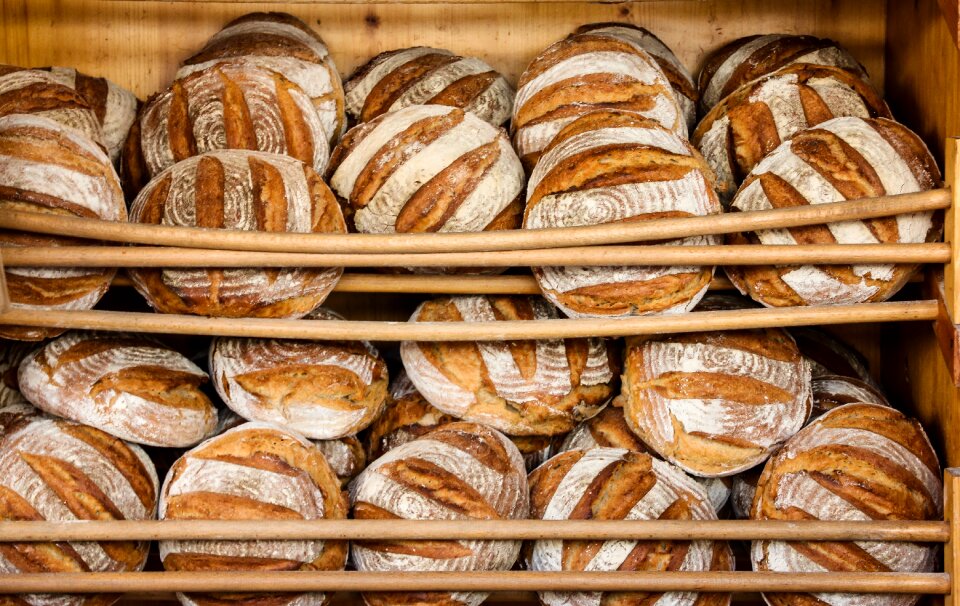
pixel 746 59
pixel 60 471
pixel 715 403
pixel 618 484
pixel 427 168
pixel 858 462
pixel 129 386
pixel 427 76
pixel 245 190
pixel 40 93
pixel 252 472
pixel 612 166
pixel 345 456
pixel 285 44
pixel 840 159
pixel 324 390
pixel 583 72
pixel 831 391
pixel 828 355
pixel 460 471
pixel 522 388
pixel 753 120
pixel 48 168
pixel 226 106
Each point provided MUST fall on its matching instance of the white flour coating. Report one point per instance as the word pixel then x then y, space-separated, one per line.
pixel 712 93
pixel 840 98
pixel 713 147
pixel 73 391
pixel 494 104
pixel 357 89
pixel 741 494
pixel 340 456
pixel 850 389
pixel 11 354
pixel 501 185
pixel 81 120
pixel 272 28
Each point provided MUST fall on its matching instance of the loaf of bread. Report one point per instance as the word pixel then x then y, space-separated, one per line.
pixel 129 386
pixel 39 93
pixel 345 456
pixel 584 72
pixel 252 472
pixel 828 355
pixel 48 168
pixel 840 159
pixel 618 484
pixel 324 390
pixel 746 59
pixel 285 44
pixel 11 354
pixel 858 462
pixel 460 471
pixel 715 403
pixel 612 166
pixel 753 120
pixel 226 106
pixel 427 168
pixel 60 471
pixel 742 490
pixel 831 391
pixel 244 190
pixel 540 387
pixel 427 76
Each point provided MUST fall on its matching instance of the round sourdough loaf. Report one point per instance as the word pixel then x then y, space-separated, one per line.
pixel 831 391
pixel 460 471
pixel 428 168
pixel 244 190
pixel 48 168
pixel 684 87
pixel 129 386
pixel 345 456
pixel 746 59
pixel 612 166
pixel 828 355
pixel 584 72
pixel 840 159
pixel 322 389
pixel 742 490
pixel 716 403
pixel 522 388
pixel 60 471
pixel 252 472
pixel 38 92
pixel 753 120
pixel 11 354
pixel 427 76
pixel 285 44
pixel 226 106
pixel 858 462
pixel 618 484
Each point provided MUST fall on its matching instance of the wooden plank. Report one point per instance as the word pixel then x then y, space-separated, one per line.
pixel 951 551
pixel 951 231
pixel 951 15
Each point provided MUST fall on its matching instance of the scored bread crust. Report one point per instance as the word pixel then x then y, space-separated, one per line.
pixel 832 391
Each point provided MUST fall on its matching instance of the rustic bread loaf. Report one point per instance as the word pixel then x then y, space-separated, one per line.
pixel 285 44
pixel 252 472
pixel 60 471
pixel 460 471
pixel 618 484
pixel 746 59
pixel 129 386
pixel 522 388
pixel 611 166
pixel 345 456
pixel 715 403
pixel 828 355
pixel 40 93
pixel 48 168
pixel 324 390
pixel 857 462
pixel 840 159
pixel 427 76
pixel 831 391
pixel 245 190
pixel 226 106
pixel 742 490
pixel 753 120
pixel 13 416
pixel 427 168
pixel 11 354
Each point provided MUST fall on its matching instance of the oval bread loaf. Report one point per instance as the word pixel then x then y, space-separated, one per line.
pixel 742 490
pixel 11 354
pixel 345 456
pixel 252 472
pixel 38 92
pixel 828 355
pixel 460 471
pixel 129 386
pixel 427 76
pixel 840 159
pixel 858 462
pixel 323 390
pixel 831 391
pixel 244 190
pixel 60 471
pixel 48 168
pixel 608 167
pixel 542 387
pixel 618 484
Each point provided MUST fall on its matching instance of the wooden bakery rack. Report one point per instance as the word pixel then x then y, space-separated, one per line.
pixel 908 46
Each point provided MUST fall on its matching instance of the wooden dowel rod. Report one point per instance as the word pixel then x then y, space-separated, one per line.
pixel 255 581
pixel 472 331
pixel 125 256
pixel 614 233
pixel 679 530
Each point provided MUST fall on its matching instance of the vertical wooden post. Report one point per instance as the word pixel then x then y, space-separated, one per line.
pixel 951 231
pixel 4 295
pixel 951 550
